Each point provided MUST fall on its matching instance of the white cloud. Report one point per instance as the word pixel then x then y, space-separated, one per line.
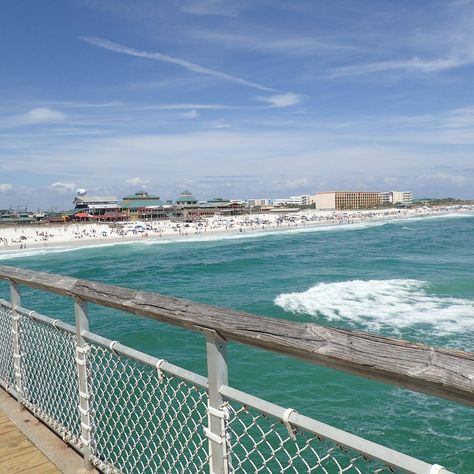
pixel 190 66
pixel 137 181
pixel 282 100
pixel 192 114
pixel 43 114
pixel 414 65
pixel 5 188
pixel 272 41
pixel 449 177
pixel 64 188
pixel 220 124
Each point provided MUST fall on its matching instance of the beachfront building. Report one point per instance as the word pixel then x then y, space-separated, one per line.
pixel 401 197
pixel 258 202
pixel 13 218
pixel 186 199
pixel 145 206
pixel 222 206
pixel 97 208
pixel 396 197
pixel 300 201
pixel 345 200
pixel 386 198
pixel 189 209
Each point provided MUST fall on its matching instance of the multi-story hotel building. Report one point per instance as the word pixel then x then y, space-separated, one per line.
pixel 402 197
pixel 396 197
pixel 341 200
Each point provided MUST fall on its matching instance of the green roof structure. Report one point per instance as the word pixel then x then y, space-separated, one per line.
pixel 141 203
pixel 186 198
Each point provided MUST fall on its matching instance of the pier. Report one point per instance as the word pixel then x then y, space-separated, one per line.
pixel 124 411
pixel 18 454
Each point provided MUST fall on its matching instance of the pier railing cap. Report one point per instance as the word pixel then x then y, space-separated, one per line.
pixel 445 373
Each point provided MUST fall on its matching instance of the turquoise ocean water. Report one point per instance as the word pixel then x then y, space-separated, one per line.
pixel 412 279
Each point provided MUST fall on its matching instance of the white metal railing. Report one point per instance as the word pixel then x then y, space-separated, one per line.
pixel 129 412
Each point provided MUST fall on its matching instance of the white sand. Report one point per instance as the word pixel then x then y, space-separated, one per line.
pixel 75 235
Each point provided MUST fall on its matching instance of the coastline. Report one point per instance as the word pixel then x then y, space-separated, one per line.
pixel 25 240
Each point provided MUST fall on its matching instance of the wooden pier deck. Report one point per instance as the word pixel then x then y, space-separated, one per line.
pixel 28 446
pixel 18 454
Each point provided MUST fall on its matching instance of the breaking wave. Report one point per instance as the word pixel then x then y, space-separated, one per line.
pixel 382 303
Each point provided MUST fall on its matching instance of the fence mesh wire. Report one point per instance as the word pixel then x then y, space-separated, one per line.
pixel 142 422
pixel 257 443
pixel 49 376
pixel 7 373
pixel 146 421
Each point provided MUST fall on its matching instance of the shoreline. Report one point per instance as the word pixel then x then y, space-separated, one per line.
pixel 24 239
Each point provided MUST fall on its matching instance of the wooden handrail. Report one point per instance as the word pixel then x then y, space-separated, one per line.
pixel 445 373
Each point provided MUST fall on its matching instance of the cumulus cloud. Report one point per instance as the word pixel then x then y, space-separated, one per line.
pixel 64 188
pixel 5 188
pixel 137 181
pixel 43 114
pixel 282 100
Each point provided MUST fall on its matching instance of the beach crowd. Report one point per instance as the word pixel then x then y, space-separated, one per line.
pixel 84 233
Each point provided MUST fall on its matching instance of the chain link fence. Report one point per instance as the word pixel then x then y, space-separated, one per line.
pixel 7 371
pixel 148 416
pixel 49 376
pixel 144 420
pixel 259 443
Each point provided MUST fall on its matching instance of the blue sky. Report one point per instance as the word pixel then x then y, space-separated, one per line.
pixel 237 99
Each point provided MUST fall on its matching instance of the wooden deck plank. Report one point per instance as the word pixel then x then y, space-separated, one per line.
pixel 18 454
pixel 31 460
pixel 6 428
pixel 46 468
pixel 46 453
pixel 14 446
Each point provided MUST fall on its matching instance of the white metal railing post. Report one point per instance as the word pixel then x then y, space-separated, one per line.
pixel 16 303
pixel 82 324
pixel 217 416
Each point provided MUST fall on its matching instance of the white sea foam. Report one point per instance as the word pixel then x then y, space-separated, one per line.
pixel 382 303
pixel 11 254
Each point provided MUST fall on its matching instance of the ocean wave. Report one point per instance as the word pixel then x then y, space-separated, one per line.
pixel 382 303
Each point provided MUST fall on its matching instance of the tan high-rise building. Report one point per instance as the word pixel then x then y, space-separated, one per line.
pixel 341 200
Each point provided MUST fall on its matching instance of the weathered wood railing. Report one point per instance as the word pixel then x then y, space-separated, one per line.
pixel 444 373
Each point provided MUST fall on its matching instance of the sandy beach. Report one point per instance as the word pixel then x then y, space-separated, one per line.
pixel 40 236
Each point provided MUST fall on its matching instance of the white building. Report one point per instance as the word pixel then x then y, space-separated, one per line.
pixel 258 202
pixel 402 197
pixel 302 200
pixel 386 197
pixel 396 197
